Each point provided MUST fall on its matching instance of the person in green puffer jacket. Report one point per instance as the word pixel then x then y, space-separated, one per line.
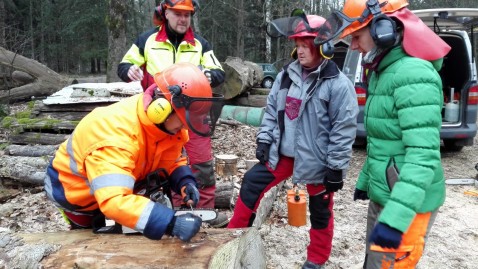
pixel 402 175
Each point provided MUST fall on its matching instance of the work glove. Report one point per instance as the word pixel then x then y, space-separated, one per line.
pixel 360 195
pixel 185 226
pixel 148 96
pixel 333 180
pixel 385 236
pixel 262 152
pixel 190 194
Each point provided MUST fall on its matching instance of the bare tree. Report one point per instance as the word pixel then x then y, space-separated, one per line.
pixel 117 42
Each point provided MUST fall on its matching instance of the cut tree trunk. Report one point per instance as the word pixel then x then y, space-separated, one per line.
pixel 241 76
pixel 210 248
pixel 44 80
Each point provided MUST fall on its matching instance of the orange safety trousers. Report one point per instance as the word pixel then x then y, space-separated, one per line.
pixel 407 255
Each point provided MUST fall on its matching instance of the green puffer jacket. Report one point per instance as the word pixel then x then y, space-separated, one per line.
pixel 403 121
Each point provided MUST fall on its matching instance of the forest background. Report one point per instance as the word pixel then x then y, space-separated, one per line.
pixel 82 37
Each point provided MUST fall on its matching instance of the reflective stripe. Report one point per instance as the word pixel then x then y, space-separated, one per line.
pixel 112 180
pixel 71 154
pixel 143 219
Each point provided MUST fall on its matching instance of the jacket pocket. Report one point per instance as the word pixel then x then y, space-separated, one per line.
pixel 392 173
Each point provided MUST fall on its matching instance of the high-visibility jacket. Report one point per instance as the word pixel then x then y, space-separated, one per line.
pixel 153 52
pixel 111 149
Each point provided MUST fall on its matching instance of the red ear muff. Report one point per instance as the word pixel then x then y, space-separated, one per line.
pixel 159 14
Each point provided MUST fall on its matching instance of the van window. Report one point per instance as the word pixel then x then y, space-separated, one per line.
pixel 351 65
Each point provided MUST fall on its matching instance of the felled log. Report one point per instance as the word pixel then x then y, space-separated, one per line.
pixel 37 138
pixel 44 80
pixel 241 76
pixel 210 248
pixel 31 150
pixel 27 170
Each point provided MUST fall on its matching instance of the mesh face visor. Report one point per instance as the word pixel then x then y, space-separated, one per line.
pixel 202 113
pixel 333 27
pixel 285 27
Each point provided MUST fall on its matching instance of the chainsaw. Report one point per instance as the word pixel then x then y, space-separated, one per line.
pixel 205 214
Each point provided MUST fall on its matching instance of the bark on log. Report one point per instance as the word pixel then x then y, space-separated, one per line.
pixel 250 100
pixel 223 196
pixel 45 81
pixel 31 150
pixel 37 138
pixel 26 170
pixel 22 77
pixel 210 248
pixel 240 77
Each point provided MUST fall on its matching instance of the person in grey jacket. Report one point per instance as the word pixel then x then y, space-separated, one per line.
pixel 307 132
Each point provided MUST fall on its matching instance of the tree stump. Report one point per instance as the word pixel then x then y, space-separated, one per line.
pixel 226 165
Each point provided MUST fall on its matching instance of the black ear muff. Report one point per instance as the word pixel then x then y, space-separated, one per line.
pixel 383 31
pixel 327 50
pixel 196 6
pixel 159 110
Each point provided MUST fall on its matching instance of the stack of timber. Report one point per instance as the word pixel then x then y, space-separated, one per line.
pixel 34 137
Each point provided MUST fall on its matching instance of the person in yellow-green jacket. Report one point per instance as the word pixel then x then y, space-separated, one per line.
pixel 173 41
pixel 95 173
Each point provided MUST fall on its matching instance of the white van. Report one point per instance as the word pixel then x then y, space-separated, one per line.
pixel 459 78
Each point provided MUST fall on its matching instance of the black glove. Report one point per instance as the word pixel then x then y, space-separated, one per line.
pixel 333 180
pixel 185 226
pixel 360 195
pixel 262 152
pixel 385 236
pixel 190 192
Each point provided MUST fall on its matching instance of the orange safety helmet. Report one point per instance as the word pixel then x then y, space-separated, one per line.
pixel 188 91
pixel 185 5
pixel 182 5
pixel 356 9
pixel 301 30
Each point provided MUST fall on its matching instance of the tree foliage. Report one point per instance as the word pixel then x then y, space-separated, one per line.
pixel 71 36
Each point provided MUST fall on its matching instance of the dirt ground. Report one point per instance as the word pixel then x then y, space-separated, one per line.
pixel 453 242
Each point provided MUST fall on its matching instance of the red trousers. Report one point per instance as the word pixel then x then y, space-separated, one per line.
pixel 260 178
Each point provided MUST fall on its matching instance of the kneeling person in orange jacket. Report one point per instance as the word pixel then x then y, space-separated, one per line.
pixel 114 148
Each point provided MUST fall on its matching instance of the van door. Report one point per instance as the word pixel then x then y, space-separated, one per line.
pixel 458 73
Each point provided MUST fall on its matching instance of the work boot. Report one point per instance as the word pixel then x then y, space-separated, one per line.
pixel 311 265
pixel 220 221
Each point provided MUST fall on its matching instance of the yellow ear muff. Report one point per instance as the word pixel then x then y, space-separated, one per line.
pixel 159 110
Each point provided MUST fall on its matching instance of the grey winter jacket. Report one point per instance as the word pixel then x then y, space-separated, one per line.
pixel 326 125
